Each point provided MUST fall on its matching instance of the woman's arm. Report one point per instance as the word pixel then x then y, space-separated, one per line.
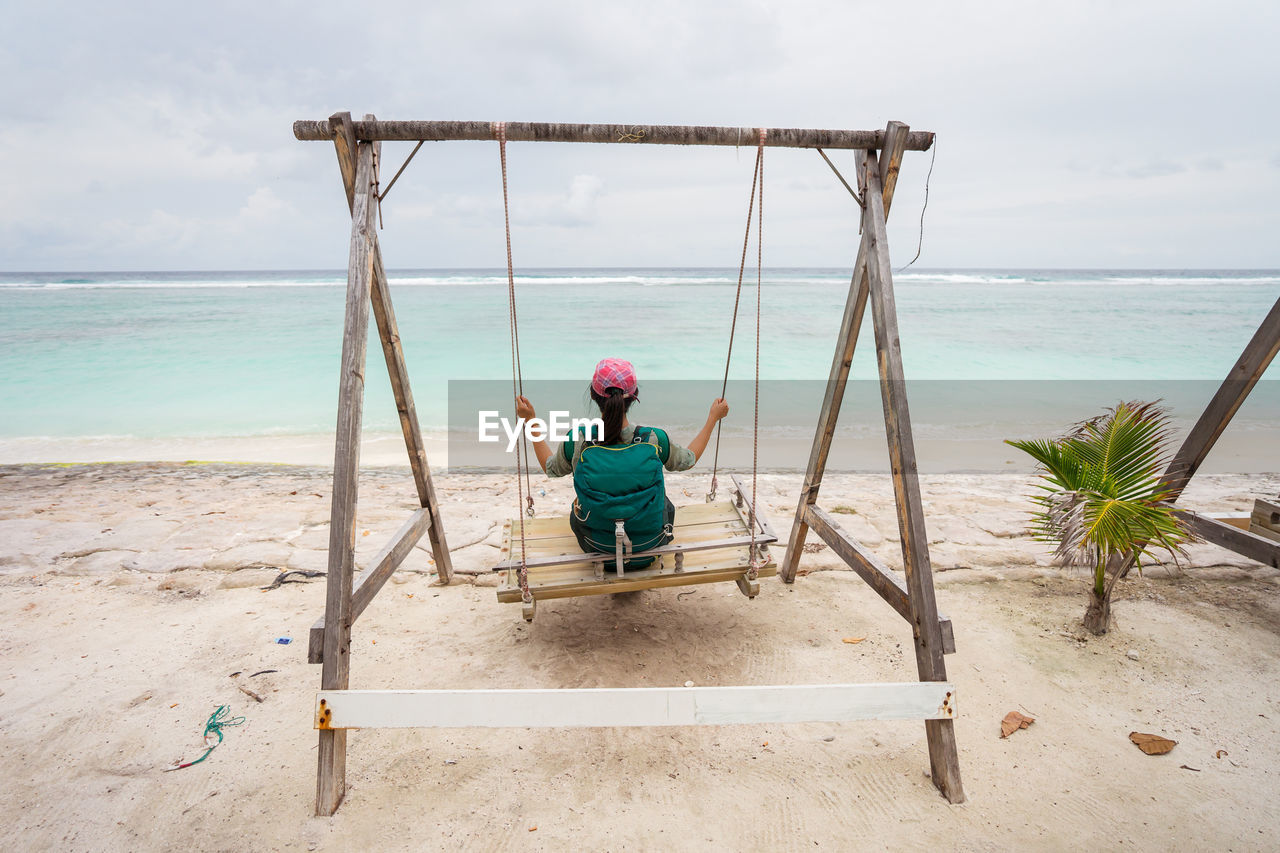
pixel 524 410
pixel 719 408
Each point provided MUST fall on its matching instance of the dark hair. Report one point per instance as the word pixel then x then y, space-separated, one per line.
pixel 613 408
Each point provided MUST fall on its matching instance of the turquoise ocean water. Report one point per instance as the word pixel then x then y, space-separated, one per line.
pixel 161 355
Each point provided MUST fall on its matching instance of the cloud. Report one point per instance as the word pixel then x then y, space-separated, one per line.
pixel 264 206
pixel 576 208
pixel 151 140
pixel 1139 170
pixel 1156 169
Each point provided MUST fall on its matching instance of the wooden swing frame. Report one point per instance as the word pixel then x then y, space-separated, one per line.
pixel 878 160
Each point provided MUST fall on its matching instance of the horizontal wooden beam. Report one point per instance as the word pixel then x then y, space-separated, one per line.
pixel 379 571
pixel 388 560
pixel 653 134
pixel 870 569
pixel 1232 538
pixel 634 706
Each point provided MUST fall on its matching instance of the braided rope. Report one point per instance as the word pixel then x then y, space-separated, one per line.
pixel 517 379
pixel 733 326
pixel 755 426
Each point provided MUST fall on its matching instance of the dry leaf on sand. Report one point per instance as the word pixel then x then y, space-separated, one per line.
pixel 1152 744
pixel 1013 721
pixel 852 640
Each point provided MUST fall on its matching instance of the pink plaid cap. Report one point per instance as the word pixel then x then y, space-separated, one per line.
pixel 614 373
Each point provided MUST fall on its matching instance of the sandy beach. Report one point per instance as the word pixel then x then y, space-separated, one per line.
pixel 133 607
pixel 247 261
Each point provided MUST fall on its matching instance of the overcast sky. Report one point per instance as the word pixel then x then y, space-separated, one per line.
pixel 145 136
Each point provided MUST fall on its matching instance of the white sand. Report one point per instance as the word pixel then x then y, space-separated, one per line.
pixel 129 596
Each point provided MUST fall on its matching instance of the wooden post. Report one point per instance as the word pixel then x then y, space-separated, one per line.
pixel 332 760
pixel 895 142
pixel 943 757
pixel 344 145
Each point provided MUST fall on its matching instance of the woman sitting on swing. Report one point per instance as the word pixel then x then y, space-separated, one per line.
pixel 620 478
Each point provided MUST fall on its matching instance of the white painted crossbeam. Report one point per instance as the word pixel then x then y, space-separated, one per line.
pixel 635 706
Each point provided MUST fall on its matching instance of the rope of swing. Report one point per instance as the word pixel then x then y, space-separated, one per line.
pixel 755 561
pixel 517 376
pixel 757 183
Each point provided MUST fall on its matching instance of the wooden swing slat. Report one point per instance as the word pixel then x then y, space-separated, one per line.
pixel 554 551
pixel 584 582
pixel 561 535
pixel 570 553
pixel 551 526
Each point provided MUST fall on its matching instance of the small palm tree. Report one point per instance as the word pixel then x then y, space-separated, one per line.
pixel 1104 502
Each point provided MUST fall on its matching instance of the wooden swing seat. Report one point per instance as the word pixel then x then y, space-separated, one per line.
pixel 712 543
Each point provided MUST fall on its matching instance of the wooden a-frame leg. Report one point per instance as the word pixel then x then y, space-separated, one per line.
pixel 1244 374
pixel 943 755
pixel 854 307
pixel 389 333
pixel 846 340
pixel 332 758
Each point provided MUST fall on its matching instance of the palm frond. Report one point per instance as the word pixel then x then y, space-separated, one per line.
pixel 1104 498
